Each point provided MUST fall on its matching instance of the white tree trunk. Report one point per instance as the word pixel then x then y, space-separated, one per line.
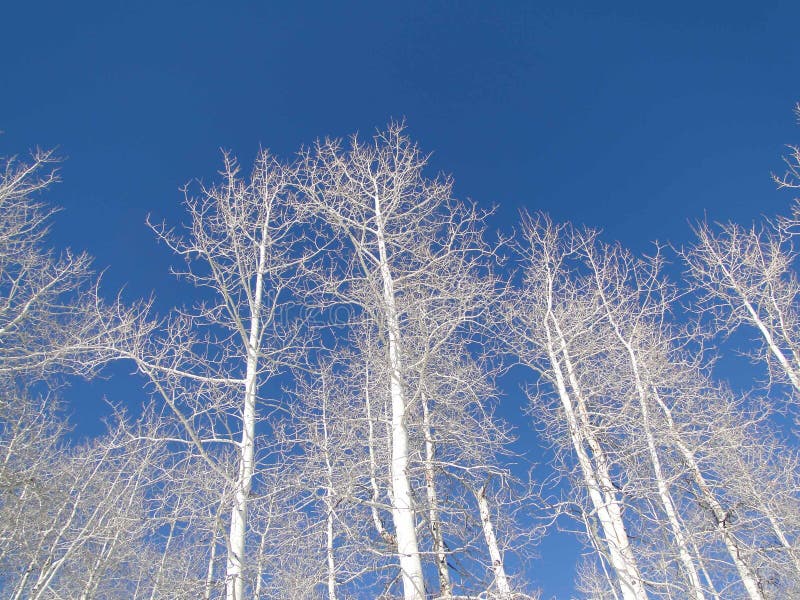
pixel 234 580
pixel 668 505
pixel 329 503
pixel 746 574
pixel 498 567
pixel 210 571
pixel 376 494
pixel 238 528
pixel 773 346
pixel 595 472
pixel 445 586
pixel 662 486
pixel 329 551
pixel 403 505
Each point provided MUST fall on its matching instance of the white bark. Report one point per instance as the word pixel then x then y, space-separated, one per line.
pixel 598 483
pixel 373 467
pixel 746 574
pixel 750 272
pixel 667 503
pixel 329 552
pixel 498 567
pixel 403 504
pixel 445 585
pixel 330 495
pixel 210 570
pixel 790 370
pixel 238 528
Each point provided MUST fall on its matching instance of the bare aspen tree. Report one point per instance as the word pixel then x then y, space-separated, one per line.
pixel 331 478
pixel 50 313
pixel 60 531
pixel 636 303
pixel 465 448
pixel 747 277
pixel 500 577
pixel 209 364
pixel 671 390
pixel 404 241
pixel 84 518
pixel 632 298
pixel 550 330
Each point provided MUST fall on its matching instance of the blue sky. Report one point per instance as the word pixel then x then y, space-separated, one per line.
pixel 631 117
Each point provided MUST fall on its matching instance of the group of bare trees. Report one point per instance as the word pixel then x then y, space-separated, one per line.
pixel 319 420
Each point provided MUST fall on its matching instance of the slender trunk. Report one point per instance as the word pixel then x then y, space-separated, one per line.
pixel 209 583
pixel 746 574
pixel 781 535
pixel 445 585
pixel 758 495
pixel 597 544
pixel 595 471
pixel 329 551
pixel 210 571
pixel 664 494
pixel 706 575
pixel 500 578
pixel 755 317
pixel 236 539
pixel 260 564
pixel 772 344
pixel 93 580
pixel 376 494
pixel 238 528
pixel 403 505
pixel 329 502
pixel 24 581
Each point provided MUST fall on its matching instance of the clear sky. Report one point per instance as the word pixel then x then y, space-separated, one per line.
pixel 633 118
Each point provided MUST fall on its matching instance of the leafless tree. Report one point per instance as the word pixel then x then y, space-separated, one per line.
pixel 411 265
pixel 551 330
pixel 210 364
pixel 747 277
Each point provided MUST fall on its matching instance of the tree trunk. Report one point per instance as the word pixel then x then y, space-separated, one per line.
pixel 386 536
pixel 329 503
pixel 445 586
pixel 500 578
pixel 238 529
pixel 664 495
pixel 746 574
pixel 403 505
pixel 595 471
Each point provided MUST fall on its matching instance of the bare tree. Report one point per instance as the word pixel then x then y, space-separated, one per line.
pixel 746 277
pixel 81 517
pixel 210 364
pixel 630 390
pixel 411 264
pixel 550 329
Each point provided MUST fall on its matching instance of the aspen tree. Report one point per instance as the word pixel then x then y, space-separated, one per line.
pixel 399 242
pixel 550 324
pixel 209 364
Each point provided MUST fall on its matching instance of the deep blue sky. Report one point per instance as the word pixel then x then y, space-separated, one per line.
pixel 633 118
